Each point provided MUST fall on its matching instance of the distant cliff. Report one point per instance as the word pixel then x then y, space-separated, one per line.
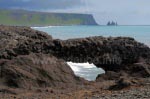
pixel 32 18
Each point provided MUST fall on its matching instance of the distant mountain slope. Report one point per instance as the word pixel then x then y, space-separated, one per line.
pixel 31 18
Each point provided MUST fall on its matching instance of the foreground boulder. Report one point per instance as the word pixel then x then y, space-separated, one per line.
pixel 21 47
pixel 36 70
pixel 24 64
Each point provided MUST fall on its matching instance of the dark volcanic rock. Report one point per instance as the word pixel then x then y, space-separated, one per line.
pixel 120 84
pixel 121 56
pixel 109 75
pixel 24 63
pixel 139 70
pixel 111 54
pixel 20 40
pixel 37 70
pixel 21 47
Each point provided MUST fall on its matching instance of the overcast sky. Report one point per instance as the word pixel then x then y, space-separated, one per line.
pixel 125 12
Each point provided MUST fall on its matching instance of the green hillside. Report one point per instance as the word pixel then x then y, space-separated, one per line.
pixel 31 18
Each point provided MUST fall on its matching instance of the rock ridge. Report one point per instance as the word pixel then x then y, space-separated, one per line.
pixel 22 48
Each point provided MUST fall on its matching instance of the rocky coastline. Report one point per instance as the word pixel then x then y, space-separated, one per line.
pixel 33 64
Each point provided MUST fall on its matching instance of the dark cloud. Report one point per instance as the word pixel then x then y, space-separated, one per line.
pixel 39 4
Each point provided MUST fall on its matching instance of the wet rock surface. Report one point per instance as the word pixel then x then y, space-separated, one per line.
pixel 33 59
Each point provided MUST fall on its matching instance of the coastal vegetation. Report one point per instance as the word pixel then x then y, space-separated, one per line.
pixel 32 18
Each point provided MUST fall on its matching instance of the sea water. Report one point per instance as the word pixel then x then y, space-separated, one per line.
pixel 140 33
pixel 86 70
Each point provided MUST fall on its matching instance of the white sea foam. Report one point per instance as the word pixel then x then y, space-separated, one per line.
pixel 83 65
pixel 85 70
pixel 73 67
pixel 43 27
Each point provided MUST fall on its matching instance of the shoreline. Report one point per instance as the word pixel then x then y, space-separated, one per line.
pixel 34 65
pixel 87 25
pixel 83 32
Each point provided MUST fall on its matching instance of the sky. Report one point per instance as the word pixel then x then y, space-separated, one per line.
pixel 125 12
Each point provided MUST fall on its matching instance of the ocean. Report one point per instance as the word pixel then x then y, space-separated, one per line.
pixel 86 70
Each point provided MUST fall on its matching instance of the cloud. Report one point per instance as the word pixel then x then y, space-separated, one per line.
pixel 39 4
pixel 125 12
